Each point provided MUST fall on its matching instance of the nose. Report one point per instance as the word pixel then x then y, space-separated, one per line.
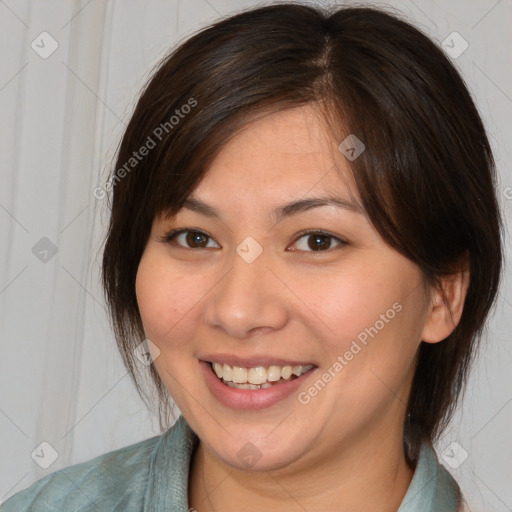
pixel 248 300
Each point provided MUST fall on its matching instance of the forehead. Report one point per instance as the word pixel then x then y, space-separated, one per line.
pixel 285 154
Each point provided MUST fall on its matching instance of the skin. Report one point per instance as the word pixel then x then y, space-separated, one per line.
pixel 343 450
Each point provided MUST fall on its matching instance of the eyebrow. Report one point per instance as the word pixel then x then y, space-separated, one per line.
pixel 280 212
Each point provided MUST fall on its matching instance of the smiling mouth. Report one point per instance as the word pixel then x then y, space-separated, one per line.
pixel 259 377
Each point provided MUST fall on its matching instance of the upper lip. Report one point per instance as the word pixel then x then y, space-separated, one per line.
pixel 252 362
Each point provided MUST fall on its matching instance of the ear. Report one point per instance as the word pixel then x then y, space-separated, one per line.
pixel 447 304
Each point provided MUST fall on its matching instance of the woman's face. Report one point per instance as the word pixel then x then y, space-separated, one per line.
pixel 245 288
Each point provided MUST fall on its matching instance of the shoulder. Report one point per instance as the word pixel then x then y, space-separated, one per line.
pixel 115 480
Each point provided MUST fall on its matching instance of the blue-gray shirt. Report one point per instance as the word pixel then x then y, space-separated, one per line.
pixel 152 476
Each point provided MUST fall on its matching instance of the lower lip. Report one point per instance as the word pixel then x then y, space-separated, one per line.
pixel 249 399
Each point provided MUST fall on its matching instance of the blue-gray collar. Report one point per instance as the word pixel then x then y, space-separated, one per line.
pixel 432 488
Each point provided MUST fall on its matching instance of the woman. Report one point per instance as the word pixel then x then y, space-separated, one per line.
pixel 305 240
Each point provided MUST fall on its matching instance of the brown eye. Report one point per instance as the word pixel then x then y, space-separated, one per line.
pixel 319 242
pixel 315 241
pixel 190 239
pixel 196 239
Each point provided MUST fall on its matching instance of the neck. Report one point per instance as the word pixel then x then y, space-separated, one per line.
pixel 370 475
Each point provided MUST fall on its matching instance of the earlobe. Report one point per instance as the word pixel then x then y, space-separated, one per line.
pixel 447 305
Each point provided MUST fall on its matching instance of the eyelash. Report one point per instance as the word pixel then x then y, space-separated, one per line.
pixel 169 237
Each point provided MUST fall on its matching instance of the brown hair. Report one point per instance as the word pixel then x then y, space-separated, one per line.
pixel 381 79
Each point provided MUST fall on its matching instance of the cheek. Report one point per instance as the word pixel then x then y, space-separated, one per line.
pixel 368 352
pixel 165 298
pixel 347 303
pixel 374 315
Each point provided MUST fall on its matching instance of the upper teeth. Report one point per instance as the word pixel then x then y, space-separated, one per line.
pixel 259 374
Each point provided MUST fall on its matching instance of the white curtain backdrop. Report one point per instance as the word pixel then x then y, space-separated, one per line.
pixel 70 73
